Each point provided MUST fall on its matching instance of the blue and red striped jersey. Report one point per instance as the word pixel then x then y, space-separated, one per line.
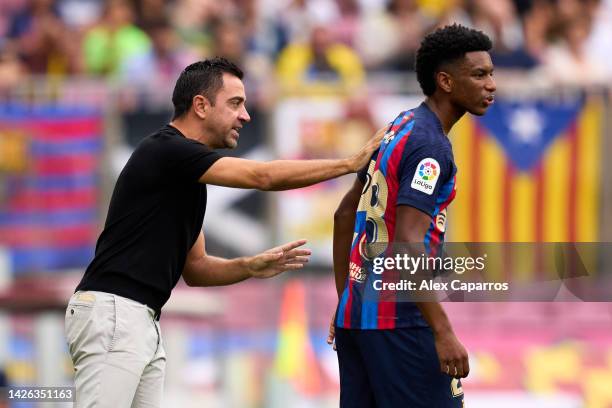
pixel 414 166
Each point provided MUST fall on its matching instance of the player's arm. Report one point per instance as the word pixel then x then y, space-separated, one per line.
pixel 344 224
pixel 411 227
pixel 286 174
pixel 202 269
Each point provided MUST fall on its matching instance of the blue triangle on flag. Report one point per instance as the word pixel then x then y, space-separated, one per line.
pixel 525 129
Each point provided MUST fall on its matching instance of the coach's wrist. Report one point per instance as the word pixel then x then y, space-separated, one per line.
pixel 350 165
pixel 247 264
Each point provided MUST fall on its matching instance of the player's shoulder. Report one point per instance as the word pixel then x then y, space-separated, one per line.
pixel 426 131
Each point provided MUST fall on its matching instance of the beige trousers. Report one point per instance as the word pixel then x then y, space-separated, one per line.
pixel 117 351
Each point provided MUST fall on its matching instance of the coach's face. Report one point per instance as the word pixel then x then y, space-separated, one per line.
pixel 228 114
pixel 473 84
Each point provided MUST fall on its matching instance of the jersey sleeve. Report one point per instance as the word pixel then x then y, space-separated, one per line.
pixel 424 169
pixel 189 160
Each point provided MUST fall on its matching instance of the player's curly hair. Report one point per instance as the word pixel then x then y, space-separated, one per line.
pixel 201 78
pixel 445 45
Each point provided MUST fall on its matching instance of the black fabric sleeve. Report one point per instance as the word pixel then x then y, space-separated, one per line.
pixel 188 159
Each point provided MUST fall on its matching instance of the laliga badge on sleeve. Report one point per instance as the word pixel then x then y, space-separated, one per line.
pixel 426 176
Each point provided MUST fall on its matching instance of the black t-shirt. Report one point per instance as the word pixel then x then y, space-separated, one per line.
pixel 155 216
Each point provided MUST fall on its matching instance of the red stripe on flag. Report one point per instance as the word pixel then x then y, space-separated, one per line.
pixel 539 202
pixel 58 236
pixel 573 178
pixel 66 165
pixel 53 200
pixel 507 202
pixel 475 184
pixel 539 219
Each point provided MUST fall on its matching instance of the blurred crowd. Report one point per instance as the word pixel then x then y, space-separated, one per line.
pixel 295 46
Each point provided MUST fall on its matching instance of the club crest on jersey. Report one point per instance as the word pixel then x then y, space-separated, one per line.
pixel 426 176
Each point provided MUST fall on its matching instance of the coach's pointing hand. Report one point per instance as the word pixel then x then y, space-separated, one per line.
pixel 279 259
pixel 361 159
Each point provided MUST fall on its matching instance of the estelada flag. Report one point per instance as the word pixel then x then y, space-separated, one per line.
pixel 528 171
pixel 49 161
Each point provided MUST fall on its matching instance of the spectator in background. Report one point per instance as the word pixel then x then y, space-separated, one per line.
pixel 566 62
pixel 320 66
pixel 191 18
pixel 500 20
pixel 346 27
pixel 12 70
pixel 230 41
pixel 163 61
pixel 409 25
pixel 599 44
pixel 115 39
pixel 149 12
pixel 43 41
pixel 537 20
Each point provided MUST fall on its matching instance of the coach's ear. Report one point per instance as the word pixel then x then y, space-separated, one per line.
pixel 201 106
pixel 444 81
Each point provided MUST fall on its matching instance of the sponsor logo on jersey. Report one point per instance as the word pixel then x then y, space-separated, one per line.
pixel 441 221
pixel 356 273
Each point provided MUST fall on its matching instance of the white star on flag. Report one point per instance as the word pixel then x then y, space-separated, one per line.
pixel 526 125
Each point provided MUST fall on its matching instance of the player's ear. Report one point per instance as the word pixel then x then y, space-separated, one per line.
pixel 444 81
pixel 201 106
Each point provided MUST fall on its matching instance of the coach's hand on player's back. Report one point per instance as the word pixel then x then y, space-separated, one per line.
pixel 452 355
pixel 279 259
pixel 362 158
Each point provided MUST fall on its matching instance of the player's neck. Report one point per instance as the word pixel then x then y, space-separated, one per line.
pixel 445 111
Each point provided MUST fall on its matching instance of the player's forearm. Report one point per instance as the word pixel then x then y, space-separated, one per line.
pixel 289 174
pixel 343 234
pixel 215 271
pixel 436 317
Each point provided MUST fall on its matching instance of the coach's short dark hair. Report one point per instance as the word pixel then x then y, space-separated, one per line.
pixel 201 78
pixel 445 45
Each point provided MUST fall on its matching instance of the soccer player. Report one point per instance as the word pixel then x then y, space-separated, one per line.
pixel 153 235
pixel 405 354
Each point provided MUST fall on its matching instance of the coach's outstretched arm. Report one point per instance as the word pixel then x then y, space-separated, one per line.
pixel 202 269
pixel 287 174
pixel 411 226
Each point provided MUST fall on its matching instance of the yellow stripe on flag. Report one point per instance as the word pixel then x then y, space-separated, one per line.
pixel 460 211
pixel 522 211
pixel 588 180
